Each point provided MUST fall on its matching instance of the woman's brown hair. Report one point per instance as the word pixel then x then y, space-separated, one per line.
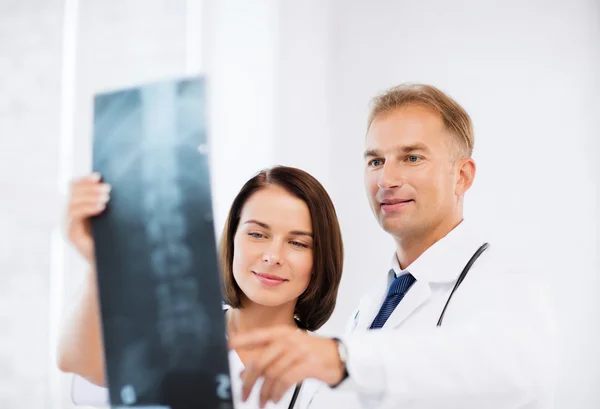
pixel 316 304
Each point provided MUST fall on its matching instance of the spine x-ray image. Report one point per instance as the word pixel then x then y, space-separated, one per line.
pixel 158 273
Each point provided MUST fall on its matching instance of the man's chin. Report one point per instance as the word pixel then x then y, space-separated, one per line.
pixel 395 225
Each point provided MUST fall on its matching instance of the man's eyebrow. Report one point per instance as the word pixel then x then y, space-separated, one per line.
pixel 371 152
pixel 404 149
pixel 412 148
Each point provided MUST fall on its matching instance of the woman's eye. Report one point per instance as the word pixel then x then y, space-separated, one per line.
pixel 298 244
pixel 256 235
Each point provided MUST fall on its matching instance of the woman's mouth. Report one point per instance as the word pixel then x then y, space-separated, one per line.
pixel 269 280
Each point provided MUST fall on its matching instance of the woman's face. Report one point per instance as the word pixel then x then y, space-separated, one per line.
pixel 273 247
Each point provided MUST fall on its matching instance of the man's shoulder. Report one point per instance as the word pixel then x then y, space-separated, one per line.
pixel 501 268
pixel 501 258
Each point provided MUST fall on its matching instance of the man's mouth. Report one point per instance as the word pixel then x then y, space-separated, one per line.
pixel 395 201
pixel 392 205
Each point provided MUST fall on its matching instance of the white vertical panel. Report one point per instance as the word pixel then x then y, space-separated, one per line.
pixel 304 94
pixel 193 37
pixel 240 59
pixel 65 174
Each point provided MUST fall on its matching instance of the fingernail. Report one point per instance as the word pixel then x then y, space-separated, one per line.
pixel 95 177
pixel 104 197
pixel 101 206
pixel 105 187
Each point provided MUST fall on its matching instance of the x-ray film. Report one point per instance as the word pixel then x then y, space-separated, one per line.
pixel 158 273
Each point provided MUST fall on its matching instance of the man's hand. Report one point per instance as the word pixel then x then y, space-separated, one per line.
pixel 289 356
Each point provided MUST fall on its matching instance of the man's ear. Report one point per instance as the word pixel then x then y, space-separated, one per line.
pixel 466 176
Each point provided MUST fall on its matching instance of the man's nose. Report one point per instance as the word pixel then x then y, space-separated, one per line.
pixel 390 177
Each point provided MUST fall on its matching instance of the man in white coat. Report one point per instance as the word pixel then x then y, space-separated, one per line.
pixel 426 336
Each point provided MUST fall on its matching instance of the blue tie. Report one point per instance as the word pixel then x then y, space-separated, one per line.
pixel 398 288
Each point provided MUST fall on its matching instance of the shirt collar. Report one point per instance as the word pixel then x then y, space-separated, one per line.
pixel 444 260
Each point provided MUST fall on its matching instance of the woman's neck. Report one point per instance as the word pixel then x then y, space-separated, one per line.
pixel 254 316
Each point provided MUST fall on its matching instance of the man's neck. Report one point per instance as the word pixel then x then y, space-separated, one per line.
pixel 408 249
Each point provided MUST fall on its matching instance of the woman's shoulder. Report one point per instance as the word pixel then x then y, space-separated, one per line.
pixel 84 392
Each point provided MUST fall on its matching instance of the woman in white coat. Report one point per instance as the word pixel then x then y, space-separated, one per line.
pixel 281 257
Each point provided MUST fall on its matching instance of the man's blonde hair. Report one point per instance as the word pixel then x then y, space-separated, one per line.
pixel 456 119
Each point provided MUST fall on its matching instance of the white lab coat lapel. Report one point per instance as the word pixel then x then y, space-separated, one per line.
pixel 441 263
pixel 369 306
pixel 418 293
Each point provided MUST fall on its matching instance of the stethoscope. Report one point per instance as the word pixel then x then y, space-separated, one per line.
pixel 459 281
pixel 461 277
pixel 295 395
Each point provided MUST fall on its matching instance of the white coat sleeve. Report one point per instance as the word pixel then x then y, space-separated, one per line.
pixel 86 393
pixel 502 356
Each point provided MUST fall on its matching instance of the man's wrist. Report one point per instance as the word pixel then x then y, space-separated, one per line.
pixel 343 359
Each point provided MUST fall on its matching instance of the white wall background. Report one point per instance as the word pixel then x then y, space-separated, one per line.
pixel 290 83
pixel 528 73
pixel 29 85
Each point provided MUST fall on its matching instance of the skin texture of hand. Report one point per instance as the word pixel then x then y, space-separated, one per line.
pixel 80 347
pixel 88 198
pixel 288 357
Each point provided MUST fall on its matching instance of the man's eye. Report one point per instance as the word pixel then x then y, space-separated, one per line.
pixel 375 162
pixel 413 158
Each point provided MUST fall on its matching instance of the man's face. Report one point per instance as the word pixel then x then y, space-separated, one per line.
pixel 413 175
